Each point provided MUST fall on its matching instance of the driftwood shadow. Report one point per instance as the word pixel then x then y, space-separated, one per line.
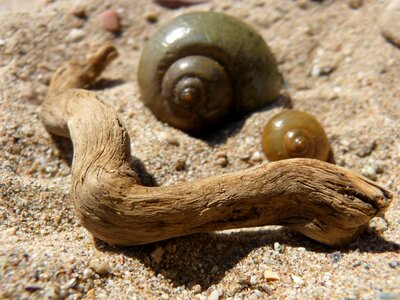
pixel 203 259
pixel 65 153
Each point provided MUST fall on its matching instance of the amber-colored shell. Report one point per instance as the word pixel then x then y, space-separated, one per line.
pixel 204 67
pixel 293 133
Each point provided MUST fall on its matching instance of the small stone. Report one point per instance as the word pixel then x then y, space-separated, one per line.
pixel 394 264
pixel 172 141
pixel 257 156
pixel 256 294
pixel 87 273
pixel 180 165
pixel 296 279
pixel 75 35
pixel 2 43
pixel 10 231
pixel 100 267
pixel 336 256
pixel 370 171
pixel 222 161
pixel 91 294
pixel 78 10
pixel 32 288
pixel 357 264
pixel 214 269
pixel 71 283
pixel 253 280
pixel 51 293
pixel 172 4
pixel 152 17
pixel 109 21
pixel 196 289
pixel 215 294
pixel 378 224
pixel 366 149
pixel 354 4
pixel 390 22
pixel 277 247
pixel 157 255
pixel 303 4
pixel 271 276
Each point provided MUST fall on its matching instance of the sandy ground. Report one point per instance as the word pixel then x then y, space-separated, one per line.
pixel 45 254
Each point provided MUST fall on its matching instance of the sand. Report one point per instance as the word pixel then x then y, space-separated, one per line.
pixel 337 66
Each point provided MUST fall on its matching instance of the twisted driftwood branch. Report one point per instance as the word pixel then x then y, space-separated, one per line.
pixel 327 203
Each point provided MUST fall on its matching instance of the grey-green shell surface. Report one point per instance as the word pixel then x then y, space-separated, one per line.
pixel 237 47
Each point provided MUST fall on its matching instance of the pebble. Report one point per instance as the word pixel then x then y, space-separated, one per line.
pixel 172 4
pixel 2 42
pixel 172 141
pixel 51 293
pixel 277 247
pixel 317 70
pixel 256 295
pixel 10 231
pixel 378 224
pixel 371 170
pixel 100 267
pixel 71 283
pixel 257 156
pixel 253 280
pixel 394 264
pixel 152 17
pixel 76 35
pixel 296 279
pixel 180 165
pixel 336 256
pixel 354 4
pixel 91 294
pixel 366 149
pixel 390 22
pixel 87 273
pixel 78 10
pixel 157 255
pixel 109 21
pixel 271 275
pixel 222 161
pixel 215 294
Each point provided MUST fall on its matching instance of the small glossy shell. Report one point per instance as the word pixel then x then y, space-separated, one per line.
pixel 205 67
pixel 292 134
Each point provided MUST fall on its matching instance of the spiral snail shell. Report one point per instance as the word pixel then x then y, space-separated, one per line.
pixel 293 133
pixel 203 67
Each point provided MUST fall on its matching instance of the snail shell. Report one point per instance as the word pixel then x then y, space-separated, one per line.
pixel 293 133
pixel 203 67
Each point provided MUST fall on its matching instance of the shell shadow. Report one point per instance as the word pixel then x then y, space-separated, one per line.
pixel 218 135
pixel 103 83
pixel 203 259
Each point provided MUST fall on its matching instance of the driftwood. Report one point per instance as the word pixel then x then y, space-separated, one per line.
pixel 325 202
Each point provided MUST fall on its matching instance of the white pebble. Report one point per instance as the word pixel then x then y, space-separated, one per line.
pixel 277 247
pixel 100 267
pixel 76 34
pixel 297 279
pixel 257 156
pixel 215 294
